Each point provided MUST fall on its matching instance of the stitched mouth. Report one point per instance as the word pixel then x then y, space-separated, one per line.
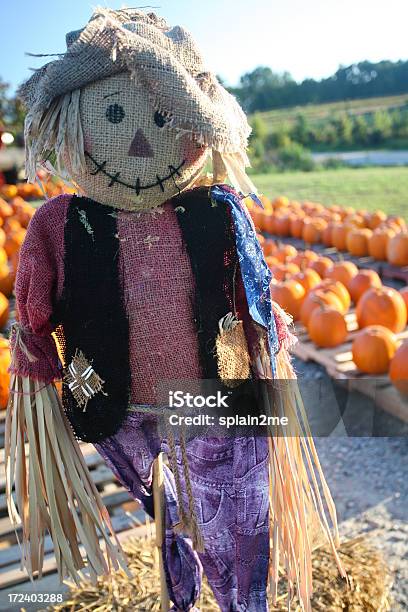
pixel 137 187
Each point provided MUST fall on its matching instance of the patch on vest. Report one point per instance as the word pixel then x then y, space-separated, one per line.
pixel 82 380
pixel 232 351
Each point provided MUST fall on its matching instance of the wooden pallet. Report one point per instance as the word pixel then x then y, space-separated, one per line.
pixel 383 268
pixel 339 365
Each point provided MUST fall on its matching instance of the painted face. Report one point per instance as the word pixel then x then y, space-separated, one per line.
pixel 134 160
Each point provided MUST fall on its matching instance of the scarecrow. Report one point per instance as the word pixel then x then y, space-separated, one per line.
pixel 151 272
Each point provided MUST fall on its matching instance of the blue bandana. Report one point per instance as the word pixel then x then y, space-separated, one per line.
pixel 256 275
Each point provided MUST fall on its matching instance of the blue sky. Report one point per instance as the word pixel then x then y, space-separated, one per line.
pixel 309 38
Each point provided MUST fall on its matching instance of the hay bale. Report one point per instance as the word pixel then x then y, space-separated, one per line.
pixel 367 591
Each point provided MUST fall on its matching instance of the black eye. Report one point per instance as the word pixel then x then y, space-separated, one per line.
pixel 115 113
pixel 159 119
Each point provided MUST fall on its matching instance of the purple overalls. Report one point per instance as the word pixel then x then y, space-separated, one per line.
pixel 229 476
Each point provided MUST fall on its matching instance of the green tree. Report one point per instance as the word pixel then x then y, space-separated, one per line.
pixel 301 130
pixel 259 127
pixel 360 130
pixel 381 127
pixel 344 128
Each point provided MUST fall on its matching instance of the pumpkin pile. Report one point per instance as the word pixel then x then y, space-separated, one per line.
pixel 319 293
pixel 360 232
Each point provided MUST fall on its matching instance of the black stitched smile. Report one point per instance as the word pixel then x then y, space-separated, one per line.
pixel 114 178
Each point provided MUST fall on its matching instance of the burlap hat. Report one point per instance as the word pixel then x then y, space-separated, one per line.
pixel 165 60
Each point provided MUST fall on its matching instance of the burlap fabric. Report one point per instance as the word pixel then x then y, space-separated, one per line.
pixel 168 76
pixel 233 355
pixel 166 61
pixel 133 159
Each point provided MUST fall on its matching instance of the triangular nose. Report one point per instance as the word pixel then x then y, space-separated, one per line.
pixel 140 146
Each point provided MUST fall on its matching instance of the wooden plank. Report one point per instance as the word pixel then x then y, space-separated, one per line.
pixel 12 554
pixel 390 400
pixel 14 575
pixel 394 272
pixel 338 363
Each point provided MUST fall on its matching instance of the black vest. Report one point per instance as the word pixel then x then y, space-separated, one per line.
pixel 92 315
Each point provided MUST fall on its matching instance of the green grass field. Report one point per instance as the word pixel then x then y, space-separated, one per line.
pixel 318 112
pixel 367 188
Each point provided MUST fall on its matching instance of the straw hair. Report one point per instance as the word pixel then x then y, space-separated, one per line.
pixel 53 488
pixel 55 139
pixel 302 511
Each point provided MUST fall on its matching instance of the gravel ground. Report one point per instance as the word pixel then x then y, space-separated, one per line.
pixel 367 475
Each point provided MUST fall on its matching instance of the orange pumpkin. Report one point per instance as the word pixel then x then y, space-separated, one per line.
pixel 267 222
pixel 308 279
pixel 398 221
pixel 338 288
pixel 25 215
pixel 257 215
pixel 316 297
pixel 354 221
pixel 327 326
pixel 5 209
pixel 313 230
pixel 280 202
pixel 382 306
pixel 339 236
pixel 327 235
pixel 282 271
pixel 296 226
pixel 289 295
pixel 404 294
pixel 376 218
pixel 269 247
pixel 13 242
pixel 282 225
pixel 373 348
pixel 397 250
pixel 378 242
pixel 7 278
pixel 399 368
pixel 357 241
pixel 304 258
pixel 5 359
pixel 342 271
pixel 347 212
pixel 362 282
pixel 265 201
pixel 3 257
pixel 12 225
pixel 8 191
pixel 321 265
pixel 4 310
pixel 2 237
pixel 285 252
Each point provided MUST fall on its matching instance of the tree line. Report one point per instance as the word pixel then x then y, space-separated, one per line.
pixel 262 89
